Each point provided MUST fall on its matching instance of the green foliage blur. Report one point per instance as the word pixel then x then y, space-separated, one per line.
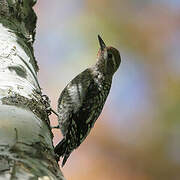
pixel 137 136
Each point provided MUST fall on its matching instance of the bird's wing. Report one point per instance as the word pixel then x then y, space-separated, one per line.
pixel 64 111
pixel 88 110
pixel 72 98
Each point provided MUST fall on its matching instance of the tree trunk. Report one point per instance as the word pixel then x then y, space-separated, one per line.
pixel 26 149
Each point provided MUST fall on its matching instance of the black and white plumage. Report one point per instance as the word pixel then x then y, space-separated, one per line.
pixel 82 100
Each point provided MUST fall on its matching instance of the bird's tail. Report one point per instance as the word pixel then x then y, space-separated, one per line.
pixel 61 149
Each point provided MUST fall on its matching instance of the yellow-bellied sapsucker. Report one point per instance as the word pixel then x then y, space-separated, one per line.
pixel 82 100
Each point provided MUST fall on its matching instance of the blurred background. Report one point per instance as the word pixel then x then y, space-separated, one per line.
pixel 137 136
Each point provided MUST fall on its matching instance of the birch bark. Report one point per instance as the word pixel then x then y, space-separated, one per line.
pixel 26 149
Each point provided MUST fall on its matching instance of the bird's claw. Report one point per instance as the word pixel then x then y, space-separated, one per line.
pixel 46 101
pixel 55 127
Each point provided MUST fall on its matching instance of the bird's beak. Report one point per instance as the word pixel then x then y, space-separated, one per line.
pixel 101 43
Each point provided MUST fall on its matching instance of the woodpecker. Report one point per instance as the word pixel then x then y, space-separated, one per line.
pixel 82 100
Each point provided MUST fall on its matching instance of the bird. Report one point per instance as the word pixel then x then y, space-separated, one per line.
pixel 82 100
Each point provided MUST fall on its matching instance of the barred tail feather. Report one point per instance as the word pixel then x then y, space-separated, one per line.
pixel 65 158
pixel 61 149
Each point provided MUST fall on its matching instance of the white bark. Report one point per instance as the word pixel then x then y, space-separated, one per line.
pixel 26 149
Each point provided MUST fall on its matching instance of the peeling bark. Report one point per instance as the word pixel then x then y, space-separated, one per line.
pixel 26 149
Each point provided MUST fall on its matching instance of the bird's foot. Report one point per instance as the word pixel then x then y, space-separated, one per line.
pixel 46 101
pixel 55 127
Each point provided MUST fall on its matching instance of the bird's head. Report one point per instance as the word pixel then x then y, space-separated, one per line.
pixel 108 58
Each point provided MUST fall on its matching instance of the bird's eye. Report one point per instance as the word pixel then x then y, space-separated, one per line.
pixel 109 56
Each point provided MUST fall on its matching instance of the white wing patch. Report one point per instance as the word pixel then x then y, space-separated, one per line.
pixel 75 92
